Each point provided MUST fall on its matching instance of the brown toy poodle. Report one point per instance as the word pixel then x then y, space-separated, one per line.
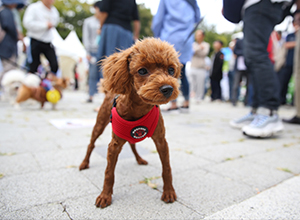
pixel 144 76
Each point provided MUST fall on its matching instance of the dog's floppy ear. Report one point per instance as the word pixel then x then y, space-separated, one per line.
pixel 116 73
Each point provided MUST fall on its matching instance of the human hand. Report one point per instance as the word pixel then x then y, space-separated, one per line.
pixel 49 25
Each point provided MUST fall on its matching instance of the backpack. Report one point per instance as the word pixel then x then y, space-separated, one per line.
pixel 2 32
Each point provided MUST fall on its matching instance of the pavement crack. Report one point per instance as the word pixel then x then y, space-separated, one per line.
pixel 65 210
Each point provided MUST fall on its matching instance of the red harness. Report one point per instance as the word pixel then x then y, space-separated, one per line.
pixel 135 131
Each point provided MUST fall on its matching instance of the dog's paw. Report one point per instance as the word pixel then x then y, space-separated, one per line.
pixel 142 161
pixel 103 200
pixel 169 196
pixel 84 165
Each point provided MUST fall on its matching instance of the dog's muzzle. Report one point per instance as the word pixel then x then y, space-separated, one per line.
pixel 166 90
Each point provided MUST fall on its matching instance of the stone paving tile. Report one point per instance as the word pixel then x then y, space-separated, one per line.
pixel 134 202
pixel 47 211
pixel 283 159
pixel 228 151
pixel 280 202
pixel 62 158
pixel 127 173
pixel 27 190
pixel 257 176
pixel 207 192
pixel 18 164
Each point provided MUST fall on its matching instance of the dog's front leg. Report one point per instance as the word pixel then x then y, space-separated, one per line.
pixel 101 123
pixel 159 139
pixel 114 148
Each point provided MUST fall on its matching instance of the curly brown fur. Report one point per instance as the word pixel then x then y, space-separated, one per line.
pixel 139 93
pixel 39 93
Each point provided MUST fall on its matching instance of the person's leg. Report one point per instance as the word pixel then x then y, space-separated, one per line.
pixel 193 81
pixel 49 52
pixel 35 48
pixel 284 81
pixel 245 76
pixel 200 81
pixel 236 87
pixel 297 74
pixel 230 82
pixel 213 86
pixel 296 118
pixel 259 21
pixel 185 89
pixel 93 72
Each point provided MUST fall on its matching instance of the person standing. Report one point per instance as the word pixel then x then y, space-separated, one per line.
pixel 8 36
pixel 91 38
pixel 174 22
pixel 231 72
pixel 296 118
pixel 260 17
pixel 216 73
pixel 116 31
pixel 286 71
pixel 39 19
pixel 240 72
pixel 198 67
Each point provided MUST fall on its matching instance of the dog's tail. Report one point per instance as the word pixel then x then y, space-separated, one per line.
pixel 32 81
pixel 13 76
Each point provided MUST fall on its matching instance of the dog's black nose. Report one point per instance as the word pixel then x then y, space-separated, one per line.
pixel 166 90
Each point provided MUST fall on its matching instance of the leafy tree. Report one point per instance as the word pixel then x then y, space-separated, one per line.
pixel 211 35
pixel 72 14
pixel 146 21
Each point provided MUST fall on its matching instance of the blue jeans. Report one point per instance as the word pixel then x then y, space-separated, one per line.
pixel 185 86
pixel 94 77
pixel 259 21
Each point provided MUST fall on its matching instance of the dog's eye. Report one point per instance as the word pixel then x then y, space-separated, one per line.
pixel 171 71
pixel 142 72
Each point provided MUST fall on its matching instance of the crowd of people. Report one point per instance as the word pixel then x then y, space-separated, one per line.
pixel 261 57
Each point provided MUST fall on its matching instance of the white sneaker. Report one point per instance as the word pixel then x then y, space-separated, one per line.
pixel 243 121
pixel 264 126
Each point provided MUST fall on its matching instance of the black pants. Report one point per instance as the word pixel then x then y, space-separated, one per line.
pixel 216 92
pixel 238 77
pixel 259 21
pixel 38 48
pixel 284 76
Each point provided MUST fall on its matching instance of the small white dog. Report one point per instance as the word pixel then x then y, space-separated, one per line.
pixel 11 82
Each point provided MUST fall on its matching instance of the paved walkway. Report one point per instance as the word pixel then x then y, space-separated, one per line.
pixel 217 172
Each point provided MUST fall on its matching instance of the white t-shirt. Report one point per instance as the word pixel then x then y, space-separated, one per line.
pixel 36 19
pixel 248 3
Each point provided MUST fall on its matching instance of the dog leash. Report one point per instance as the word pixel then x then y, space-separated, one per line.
pixel 195 28
pixel 14 63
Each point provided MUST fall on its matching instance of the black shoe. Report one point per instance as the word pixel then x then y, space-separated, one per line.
pixel 184 109
pixel 89 101
pixel 171 110
pixel 294 120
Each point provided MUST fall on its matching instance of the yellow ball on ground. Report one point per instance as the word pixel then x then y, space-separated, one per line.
pixel 53 96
